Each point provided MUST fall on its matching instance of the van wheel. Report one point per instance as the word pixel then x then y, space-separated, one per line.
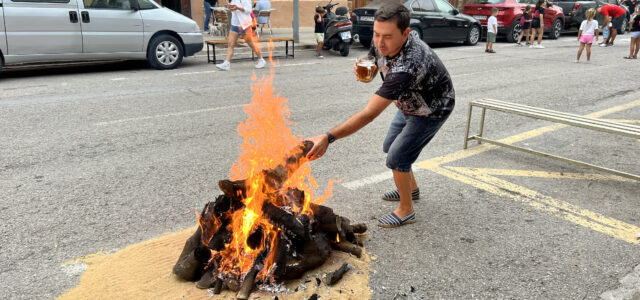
pixel 165 52
pixel 556 28
pixel 514 31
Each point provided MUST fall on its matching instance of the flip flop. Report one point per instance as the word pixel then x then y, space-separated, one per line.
pixel 392 220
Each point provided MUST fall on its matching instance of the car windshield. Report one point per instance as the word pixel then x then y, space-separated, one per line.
pixel 485 1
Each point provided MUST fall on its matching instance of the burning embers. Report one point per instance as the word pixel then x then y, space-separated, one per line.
pixel 266 227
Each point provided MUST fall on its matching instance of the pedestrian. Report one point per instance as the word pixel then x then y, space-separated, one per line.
pixel 526 26
pixel 492 30
pixel 634 27
pixel 416 81
pixel 588 30
pixel 241 23
pixel 208 4
pixel 318 19
pixel 537 24
pixel 616 15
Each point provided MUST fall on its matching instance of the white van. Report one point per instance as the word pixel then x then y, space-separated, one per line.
pixel 35 31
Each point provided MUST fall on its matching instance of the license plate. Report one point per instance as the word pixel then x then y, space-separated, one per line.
pixel 478 17
pixel 366 19
pixel 345 35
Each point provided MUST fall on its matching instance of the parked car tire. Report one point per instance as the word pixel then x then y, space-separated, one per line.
pixel 514 31
pixel 165 52
pixel 556 28
pixel 473 36
pixel 366 43
pixel 416 29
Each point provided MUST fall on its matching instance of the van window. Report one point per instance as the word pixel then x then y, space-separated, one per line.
pixel 108 4
pixel 42 1
pixel 146 4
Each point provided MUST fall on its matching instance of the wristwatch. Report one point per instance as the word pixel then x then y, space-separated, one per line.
pixel 331 137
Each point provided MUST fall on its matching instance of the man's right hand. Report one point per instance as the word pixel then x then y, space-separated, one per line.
pixel 320 145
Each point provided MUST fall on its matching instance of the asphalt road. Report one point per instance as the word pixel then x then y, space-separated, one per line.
pixel 95 158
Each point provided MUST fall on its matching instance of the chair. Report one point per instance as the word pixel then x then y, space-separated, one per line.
pixel 265 14
pixel 222 18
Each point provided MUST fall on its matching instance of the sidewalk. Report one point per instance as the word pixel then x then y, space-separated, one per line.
pixel 307 39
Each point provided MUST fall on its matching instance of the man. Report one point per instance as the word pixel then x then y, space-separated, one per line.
pixel 415 80
pixel 614 14
pixel 208 4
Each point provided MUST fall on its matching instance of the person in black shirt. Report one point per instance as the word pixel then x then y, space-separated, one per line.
pixel 538 24
pixel 318 19
pixel 417 82
pixel 634 27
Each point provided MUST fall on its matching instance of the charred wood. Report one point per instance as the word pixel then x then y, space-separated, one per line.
pixel 285 221
pixel 221 237
pixel 255 238
pixel 313 254
pixel 348 247
pixel 217 286
pixel 233 189
pixel 189 266
pixel 249 280
pixel 335 276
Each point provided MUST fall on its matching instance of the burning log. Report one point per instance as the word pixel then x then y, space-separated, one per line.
pixel 249 279
pixel 217 286
pixel 313 254
pixel 336 275
pixel 285 221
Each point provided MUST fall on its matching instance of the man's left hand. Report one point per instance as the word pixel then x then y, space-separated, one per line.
pixel 320 145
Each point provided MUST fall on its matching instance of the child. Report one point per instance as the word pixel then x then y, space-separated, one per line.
pixel 588 29
pixel 318 19
pixel 526 26
pixel 492 30
pixel 537 24
pixel 606 33
pixel 634 27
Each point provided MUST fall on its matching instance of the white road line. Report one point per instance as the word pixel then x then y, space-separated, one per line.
pixel 118 79
pixel 192 73
pixel 300 64
pixel 167 115
pixel 356 184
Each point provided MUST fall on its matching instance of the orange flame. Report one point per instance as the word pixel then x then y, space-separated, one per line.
pixel 267 140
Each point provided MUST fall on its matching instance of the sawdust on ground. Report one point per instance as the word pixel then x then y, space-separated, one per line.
pixel 143 271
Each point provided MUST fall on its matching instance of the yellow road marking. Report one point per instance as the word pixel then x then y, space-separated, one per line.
pixel 481 178
pixel 546 174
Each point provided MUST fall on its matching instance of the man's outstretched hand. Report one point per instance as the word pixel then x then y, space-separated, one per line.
pixel 320 145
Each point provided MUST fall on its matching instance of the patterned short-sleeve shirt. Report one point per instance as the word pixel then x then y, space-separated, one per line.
pixel 415 79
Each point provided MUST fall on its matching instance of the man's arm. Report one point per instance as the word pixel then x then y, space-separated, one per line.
pixel 376 105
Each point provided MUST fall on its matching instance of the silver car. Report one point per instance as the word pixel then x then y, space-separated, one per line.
pixel 35 31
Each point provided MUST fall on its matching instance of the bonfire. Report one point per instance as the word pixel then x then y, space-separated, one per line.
pixel 267 226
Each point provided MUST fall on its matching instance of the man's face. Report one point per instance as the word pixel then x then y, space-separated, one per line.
pixel 388 38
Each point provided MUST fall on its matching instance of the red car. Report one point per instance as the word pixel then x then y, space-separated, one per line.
pixel 509 14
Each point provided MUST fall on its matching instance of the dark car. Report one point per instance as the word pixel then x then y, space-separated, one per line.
pixel 435 21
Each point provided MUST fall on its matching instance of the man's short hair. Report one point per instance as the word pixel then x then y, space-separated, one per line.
pixel 494 10
pixel 320 10
pixel 394 11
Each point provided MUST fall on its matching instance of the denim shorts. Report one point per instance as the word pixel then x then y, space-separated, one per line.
pixel 635 34
pixel 237 29
pixel 406 138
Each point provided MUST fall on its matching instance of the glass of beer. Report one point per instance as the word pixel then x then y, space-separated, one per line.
pixel 366 68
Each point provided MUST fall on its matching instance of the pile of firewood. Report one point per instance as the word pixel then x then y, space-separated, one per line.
pixel 303 241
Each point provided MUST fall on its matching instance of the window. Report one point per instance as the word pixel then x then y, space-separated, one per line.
pixel 146 4
pixel 444 6
pixel 42 1
pixel 422 5
pixel 108 4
